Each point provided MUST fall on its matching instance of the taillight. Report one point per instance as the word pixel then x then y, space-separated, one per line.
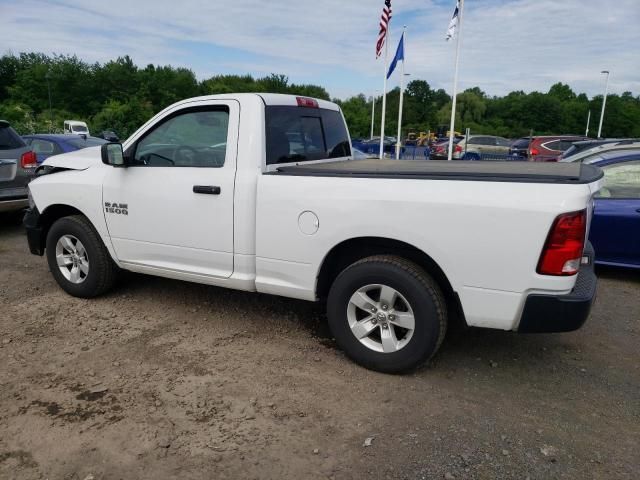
pixel 307 102
pixel 458 149
pixel 533 152
pixel 28 160
pixel 563 249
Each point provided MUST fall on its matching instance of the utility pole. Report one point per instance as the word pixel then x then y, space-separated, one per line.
pixel 373 115
pixel 604 101
pixel 48 78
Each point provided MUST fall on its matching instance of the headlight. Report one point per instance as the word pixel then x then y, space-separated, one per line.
pixel 32 204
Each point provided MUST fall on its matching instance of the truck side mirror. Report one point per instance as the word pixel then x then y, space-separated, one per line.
pixel 112 154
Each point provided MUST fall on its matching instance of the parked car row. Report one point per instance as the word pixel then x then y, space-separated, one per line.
pixel 17 165
pixel 19 157
pixel 616 224
pixel 46 145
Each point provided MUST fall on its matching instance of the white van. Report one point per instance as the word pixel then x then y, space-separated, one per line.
pixel 75 127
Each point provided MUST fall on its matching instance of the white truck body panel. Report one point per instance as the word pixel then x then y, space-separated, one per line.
pixel 485 236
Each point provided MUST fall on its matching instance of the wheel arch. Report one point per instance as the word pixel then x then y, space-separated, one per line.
pixel 350 251
pixel 48 217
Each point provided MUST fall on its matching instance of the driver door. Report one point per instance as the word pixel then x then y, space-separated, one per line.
pixel 171 209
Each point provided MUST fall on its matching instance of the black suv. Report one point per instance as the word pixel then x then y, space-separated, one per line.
pixel 17 167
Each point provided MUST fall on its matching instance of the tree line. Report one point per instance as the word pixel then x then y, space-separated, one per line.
pixel 119 95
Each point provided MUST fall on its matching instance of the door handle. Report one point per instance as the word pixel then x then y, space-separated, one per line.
pixel 638 210
pixel 206 189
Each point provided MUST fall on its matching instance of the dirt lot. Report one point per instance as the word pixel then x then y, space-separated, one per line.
pixel 163 379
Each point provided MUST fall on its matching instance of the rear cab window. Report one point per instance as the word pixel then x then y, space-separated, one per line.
pixel 297 134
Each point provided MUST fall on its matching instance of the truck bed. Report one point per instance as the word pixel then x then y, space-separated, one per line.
pixel 505 171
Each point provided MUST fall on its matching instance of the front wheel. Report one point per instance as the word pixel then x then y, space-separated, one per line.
pixel 78 259
pixel 387 313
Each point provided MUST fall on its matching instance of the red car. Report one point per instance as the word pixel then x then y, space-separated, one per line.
pixel 542 149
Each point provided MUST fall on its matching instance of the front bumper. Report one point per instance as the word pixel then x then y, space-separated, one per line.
pixel 34 231
pixel 13 204
pixel 562 313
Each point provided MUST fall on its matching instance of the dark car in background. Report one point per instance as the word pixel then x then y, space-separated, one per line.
pixel 615 226
pixel 46 145
pixel 371 146
pixel 108 135
pixel 519 149
pixel 17 167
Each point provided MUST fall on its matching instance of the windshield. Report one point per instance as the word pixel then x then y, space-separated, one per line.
pixel 570 151
pixel 79 128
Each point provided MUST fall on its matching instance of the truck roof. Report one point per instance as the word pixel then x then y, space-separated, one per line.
pixel 270 99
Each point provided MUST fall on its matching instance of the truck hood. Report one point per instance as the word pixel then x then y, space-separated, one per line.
pixel 77 160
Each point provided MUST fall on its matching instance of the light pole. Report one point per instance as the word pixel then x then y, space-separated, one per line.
pixel 373 114
pixel 48 78
pixel 604 101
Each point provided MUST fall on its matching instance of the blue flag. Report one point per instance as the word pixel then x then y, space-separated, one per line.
pixel 399 56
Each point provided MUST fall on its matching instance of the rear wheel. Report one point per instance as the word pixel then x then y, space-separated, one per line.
pixel 78 259
pixel 387 313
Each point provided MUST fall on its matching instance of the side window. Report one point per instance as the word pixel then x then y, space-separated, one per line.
pixel 621 180
pixel 552 145
pixel 192 138
pixel 502 142
pixel 43 147
pixel 564 145
pixel 474 141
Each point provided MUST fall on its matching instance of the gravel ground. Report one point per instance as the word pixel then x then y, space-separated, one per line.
pixel 164 379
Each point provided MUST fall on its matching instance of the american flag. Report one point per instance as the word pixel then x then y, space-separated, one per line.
pixel 384 25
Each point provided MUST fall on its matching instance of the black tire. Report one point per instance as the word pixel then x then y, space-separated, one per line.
pixel 421 292
pixel 102 270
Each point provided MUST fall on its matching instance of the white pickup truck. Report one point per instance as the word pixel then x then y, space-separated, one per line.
pixel 259 192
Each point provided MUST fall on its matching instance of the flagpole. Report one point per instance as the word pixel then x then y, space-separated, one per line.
pixel 384 91
pixel 404 32
pixel 455 82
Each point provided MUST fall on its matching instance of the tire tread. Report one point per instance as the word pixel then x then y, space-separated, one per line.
pixel 426 282
pixel 101 261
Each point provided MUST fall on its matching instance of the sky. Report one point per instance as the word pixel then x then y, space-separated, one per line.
pixel 506 45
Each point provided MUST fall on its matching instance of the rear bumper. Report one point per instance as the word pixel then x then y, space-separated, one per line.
pixel 562 313
pixel 34 231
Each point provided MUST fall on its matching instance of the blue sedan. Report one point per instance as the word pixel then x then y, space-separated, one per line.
pixel 46 145
pixel 615 228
